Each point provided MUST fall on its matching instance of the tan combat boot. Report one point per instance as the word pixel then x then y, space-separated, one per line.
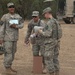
pixel 13 70
pixel 57 73
pixel 44 71
pixel 10 71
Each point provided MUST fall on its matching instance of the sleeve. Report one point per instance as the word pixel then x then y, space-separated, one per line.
pixel 21 23
pixel 59 30
pixel 2 32
pixel 42 23
pixel 2 20
pixel 47 32
pixel 28 32
pixel 2 28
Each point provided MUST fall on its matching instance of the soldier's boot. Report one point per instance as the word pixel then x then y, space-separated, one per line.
pixel 57 73
pixel 52 73
pixel 9 71
pixel 44 71
pixel 13 70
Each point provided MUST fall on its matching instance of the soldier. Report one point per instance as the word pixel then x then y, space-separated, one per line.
pixel 37 44
pixel 51 33
pixel 9 36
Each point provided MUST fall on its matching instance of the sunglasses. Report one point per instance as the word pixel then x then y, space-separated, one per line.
pixel 34 16
pixel 11 7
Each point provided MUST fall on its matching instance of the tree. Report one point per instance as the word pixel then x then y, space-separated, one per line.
pixel 25 7
pixel 3 6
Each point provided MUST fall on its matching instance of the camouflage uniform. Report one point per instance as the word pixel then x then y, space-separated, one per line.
pixel 10 37
pixel 38 40
pixel 51 45
pixel 38 45
pixel 51 48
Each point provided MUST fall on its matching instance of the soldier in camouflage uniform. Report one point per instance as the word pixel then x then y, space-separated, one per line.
pixel 9 36
pixel 38 40
pixel 51 36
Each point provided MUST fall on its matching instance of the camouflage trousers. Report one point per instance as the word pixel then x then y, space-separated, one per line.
pixel 55 58
pixel 37 48
pixel 10 50
pixel 51 58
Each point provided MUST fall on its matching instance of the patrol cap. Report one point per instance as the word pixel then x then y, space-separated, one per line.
pixel 35 13
pixel 10 4
pixel 48 9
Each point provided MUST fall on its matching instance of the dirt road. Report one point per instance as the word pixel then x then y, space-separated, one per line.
pixel 24 60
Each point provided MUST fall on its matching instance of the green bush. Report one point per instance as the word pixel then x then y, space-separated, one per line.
pixel 25 7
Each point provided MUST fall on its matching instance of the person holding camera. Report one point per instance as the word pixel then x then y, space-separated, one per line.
pixel 52 33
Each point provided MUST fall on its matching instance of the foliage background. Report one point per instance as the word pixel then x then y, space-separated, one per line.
pixel 25 7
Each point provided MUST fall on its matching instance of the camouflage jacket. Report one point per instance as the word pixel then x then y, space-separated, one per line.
pixel 7 33
pixel 31 26
pixel 50 32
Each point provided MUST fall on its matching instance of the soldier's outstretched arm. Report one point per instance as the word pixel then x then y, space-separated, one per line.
pixel 29 31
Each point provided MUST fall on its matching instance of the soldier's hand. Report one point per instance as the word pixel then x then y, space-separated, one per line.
pixel 26 42
pixel 1 41
pixel 13 26
pixel 40 31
